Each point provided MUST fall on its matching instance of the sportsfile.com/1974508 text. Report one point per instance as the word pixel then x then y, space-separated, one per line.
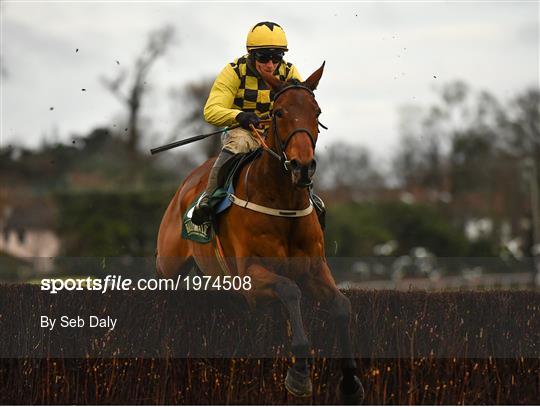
pixel 119 283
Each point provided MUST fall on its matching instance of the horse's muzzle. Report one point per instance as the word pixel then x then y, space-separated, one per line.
pixel 302 174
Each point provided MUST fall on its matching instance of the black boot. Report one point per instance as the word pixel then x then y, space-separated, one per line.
pixel 202 212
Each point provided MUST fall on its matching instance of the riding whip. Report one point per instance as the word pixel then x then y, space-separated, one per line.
pixel 196 138
pixel 190 140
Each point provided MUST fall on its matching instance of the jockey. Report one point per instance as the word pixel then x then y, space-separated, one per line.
pixel 240 96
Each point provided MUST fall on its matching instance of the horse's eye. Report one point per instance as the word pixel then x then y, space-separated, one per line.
pixel 279 113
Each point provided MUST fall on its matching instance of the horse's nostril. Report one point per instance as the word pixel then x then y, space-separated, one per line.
pixel 295 165
pixel 312 167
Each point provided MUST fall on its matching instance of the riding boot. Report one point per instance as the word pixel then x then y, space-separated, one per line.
pixel 202 212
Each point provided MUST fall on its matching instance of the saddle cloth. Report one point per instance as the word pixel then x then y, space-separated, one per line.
pixel 203 233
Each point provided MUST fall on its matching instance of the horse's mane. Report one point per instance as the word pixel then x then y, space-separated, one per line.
pixel 291 82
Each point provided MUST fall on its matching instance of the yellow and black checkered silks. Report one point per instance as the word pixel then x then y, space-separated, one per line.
pixel 240 88
pixel 253 94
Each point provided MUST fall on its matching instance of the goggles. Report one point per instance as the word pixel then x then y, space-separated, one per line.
pixel 265 56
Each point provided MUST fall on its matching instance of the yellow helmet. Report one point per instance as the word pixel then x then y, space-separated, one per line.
pixel 266 35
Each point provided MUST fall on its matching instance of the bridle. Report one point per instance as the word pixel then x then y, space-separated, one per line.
pixel 282 157
pixel 282 145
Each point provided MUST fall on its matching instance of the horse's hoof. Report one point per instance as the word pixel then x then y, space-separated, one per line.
pixel 352 398
pixel 298 383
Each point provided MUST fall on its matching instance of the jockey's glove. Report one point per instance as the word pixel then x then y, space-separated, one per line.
pixel 247 118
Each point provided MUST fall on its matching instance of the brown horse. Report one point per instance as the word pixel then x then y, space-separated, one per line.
pixel 279 178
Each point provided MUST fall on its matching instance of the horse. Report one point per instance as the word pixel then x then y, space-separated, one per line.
pixel 279 178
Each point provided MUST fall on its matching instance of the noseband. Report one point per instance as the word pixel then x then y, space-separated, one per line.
pixel 283 145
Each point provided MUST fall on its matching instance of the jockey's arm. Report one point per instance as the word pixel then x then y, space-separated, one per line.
pixel 217 110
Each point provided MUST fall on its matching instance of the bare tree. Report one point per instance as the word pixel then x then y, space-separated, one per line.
pixel 438 138
pixel 522 140
pixel 473 148
pixel 131 97
pixel 347 171
pixel 419 160
pixel 522 125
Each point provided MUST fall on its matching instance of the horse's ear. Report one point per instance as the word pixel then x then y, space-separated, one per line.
pixel 272 81
pixel 315 77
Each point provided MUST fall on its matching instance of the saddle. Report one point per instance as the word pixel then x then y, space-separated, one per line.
pixel 220 201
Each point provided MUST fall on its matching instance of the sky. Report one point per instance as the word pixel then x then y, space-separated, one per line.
pixel 380 56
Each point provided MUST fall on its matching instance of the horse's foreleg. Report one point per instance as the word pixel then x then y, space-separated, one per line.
pixel 298 381
pixel 350 386
pixel 322 286
pixel 289 294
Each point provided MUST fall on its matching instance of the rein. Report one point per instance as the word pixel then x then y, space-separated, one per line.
pixel 280 154
pixel 282 157
pixel 283 145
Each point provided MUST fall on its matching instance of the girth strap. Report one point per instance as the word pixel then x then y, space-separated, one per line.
pixel 285 213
